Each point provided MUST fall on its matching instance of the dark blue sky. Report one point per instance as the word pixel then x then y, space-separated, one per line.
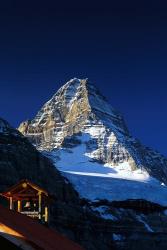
pixel 121 47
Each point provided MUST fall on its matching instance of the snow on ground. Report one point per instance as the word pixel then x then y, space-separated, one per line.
pixel 76 161
pixel 99 188
pixel 118 237
pixel 104 213
pixel 141 218
pixel 95 181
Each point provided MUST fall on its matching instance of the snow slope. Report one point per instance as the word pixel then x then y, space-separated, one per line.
pixel 113 189
pixel 96 182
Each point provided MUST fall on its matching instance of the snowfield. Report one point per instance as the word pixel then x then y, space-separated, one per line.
pixel 95 181
pixel 112 189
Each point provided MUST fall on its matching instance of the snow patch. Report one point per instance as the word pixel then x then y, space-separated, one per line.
pixel 118 237
pixel 104 213
pixel 141 218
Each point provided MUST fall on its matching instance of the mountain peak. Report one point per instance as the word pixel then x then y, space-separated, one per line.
pixel 75 105
pixel 76 90
pixel 75 83
pixel 79 119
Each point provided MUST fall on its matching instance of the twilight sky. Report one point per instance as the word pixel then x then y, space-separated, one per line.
pixel 121 47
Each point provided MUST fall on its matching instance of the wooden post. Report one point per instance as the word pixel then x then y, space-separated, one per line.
pixel 40 205
pixel 19 206
pixel 11 203
pixel 46 214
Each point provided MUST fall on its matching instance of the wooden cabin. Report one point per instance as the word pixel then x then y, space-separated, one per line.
pixel 29 199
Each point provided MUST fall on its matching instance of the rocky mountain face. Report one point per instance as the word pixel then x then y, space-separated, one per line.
pixel 78 108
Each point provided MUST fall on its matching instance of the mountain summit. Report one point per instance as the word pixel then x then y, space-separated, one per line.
pixel 76 104
pixel 85 135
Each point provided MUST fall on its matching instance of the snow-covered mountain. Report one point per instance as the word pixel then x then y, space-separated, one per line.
pixel 88 140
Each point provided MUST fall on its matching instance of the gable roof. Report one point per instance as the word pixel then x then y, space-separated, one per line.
pixel 24 231
pixel 21 185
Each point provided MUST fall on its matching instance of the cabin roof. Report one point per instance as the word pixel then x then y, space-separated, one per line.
pixel 21 185
pixel 24 231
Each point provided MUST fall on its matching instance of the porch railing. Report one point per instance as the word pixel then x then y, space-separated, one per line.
pixel 32 214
